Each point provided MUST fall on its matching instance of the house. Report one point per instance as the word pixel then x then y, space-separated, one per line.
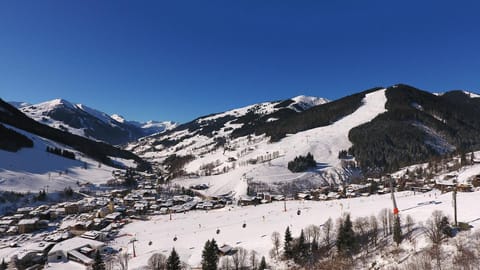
pixel 225 249
pixel 246 200
pixel 27 225
pixel 77 249
pixel 71 209
pixel 113 216
pixel 34 253
pixel 94 235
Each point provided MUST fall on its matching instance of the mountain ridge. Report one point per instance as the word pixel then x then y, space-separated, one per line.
pixel 82 120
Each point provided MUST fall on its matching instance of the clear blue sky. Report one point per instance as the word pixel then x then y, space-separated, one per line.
pixel 176 60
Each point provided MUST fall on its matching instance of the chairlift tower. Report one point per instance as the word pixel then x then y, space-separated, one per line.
pixel 395 208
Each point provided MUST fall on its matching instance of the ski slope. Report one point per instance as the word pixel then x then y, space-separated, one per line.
pixel 323 142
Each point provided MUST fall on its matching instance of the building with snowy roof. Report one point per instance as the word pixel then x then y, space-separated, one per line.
pixel 77 249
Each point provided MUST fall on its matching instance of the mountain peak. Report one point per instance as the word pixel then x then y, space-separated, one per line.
pixel 314 101
pixel 118 118
pixel 58 102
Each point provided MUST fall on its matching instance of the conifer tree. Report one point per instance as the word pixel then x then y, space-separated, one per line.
pixel 301 250
pixel 397 230
pixel 210 255
pixel 173 261
pixel 287 247
pixel 98 263
pixel 263 264
pixel 346 241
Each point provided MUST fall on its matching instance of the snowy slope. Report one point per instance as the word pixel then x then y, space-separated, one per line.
pixel 32 169
pixel 194 228
pixel 233 162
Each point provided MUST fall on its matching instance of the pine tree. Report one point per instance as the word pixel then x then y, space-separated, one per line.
pixel 301 252
pixel 397 230
pixel 263 264
pixel 346 241
pixel 210 255
pixel 287 247
pixel 3 265
pixel 98 263
pixel 173 261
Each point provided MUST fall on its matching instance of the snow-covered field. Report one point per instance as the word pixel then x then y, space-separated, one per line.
pixel 194 228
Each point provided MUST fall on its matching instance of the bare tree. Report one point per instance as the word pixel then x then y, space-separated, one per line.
pixel 421 261
pixel 361 225
pixel 465 258
pixel 433 231
pixel 123 260
pixel 253 260
pixel 383 217
pixel 225 263
pixel 409 223
pixel 373 232
pixel 110 263
pixel 312 234
pixel 277 242
pixel 239 259
pixel 328 232
pixel 157 261
pixel 391 221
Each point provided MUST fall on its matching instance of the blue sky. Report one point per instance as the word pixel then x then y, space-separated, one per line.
pixel 176 60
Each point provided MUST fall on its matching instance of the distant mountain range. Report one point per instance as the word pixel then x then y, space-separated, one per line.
pixel 84 121
pixel 378 130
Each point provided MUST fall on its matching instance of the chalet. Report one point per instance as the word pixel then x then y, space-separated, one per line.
pixel 225 250
pixel 76 249
pixel 278 198
pixel 181 199
pixel 24 210
pixel 303 196
pixel 94 235
pixel 71 209
pixel 34 253
pixel 247 200
pixel 113 216
pixel 333 196
pixel 27 225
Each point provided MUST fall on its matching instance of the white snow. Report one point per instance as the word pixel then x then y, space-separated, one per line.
pixel 306 102
pixel 471 94
pixel 32 169
pixel 323 142
pixel 194 228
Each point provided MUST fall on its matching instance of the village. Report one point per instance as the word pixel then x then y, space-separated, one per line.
pixel 75 230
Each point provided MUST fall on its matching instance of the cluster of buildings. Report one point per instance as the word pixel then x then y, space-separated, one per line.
pixel 75 231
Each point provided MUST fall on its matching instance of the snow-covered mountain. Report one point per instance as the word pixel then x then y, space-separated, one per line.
pixel 85 121
pixel 380 130
pixel 34 155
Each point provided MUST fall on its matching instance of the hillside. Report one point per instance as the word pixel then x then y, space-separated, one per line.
pixel 18 121
pixel 31 169
pixel 87 122
pixel 223 151
pixel 380 130
pixel 417 126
